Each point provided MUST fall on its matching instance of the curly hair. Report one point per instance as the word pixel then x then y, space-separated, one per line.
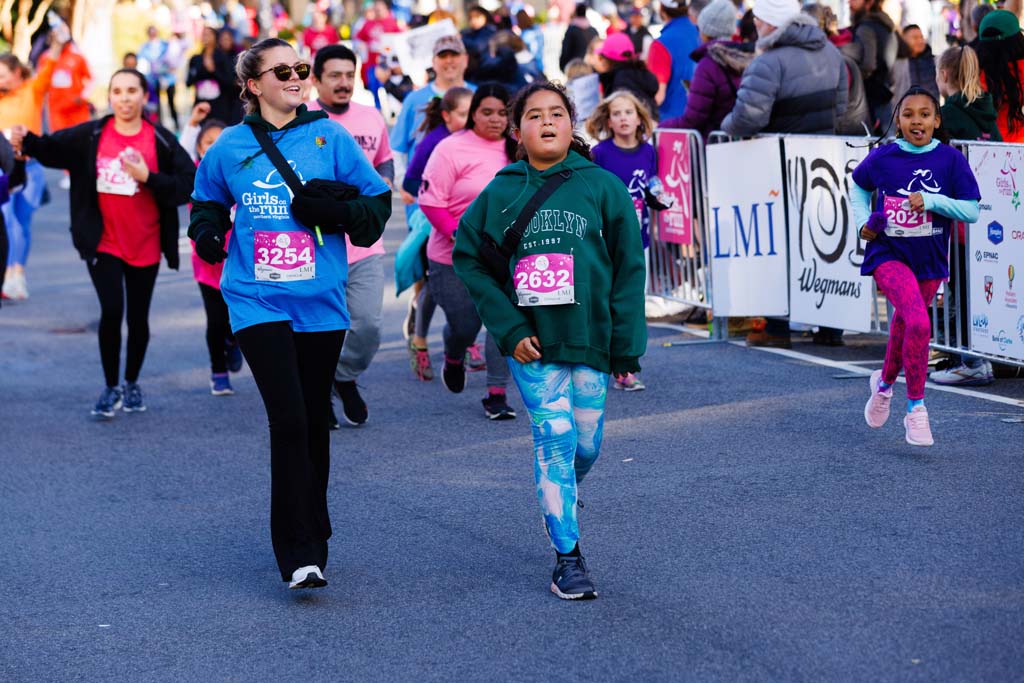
pixel 577 144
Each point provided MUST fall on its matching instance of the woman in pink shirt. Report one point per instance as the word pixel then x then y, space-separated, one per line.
pixel 459 169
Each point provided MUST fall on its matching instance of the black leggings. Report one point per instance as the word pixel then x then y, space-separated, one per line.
pixel 115 281
pixel 218 327
pixel 294 371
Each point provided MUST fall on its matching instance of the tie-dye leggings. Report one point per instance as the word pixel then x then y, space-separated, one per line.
pixel 566 406
pixel 910 328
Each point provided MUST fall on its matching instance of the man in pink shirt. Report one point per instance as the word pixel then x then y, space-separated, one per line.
pixel 334 75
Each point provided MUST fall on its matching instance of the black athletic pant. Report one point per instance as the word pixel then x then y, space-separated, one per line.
pixel 115 282
pixel 4 246
pixel 170 105
pixel 218 327
pixel 293 371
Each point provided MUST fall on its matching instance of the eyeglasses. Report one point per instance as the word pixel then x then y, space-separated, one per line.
pixel 283 72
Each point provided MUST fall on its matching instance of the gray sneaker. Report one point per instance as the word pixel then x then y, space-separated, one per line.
pixel 108 403
pixel 964 375
pixel 133 398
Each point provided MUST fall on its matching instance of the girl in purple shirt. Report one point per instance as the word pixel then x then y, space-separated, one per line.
pixel 922 185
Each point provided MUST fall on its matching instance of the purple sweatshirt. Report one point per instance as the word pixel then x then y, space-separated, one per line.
pixel 414 173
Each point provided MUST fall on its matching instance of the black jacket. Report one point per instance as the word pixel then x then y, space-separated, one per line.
pixel 74 149
pixel 876 32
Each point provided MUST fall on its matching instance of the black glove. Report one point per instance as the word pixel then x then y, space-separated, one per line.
pixel 653 202
pixel 327 214
pixel 210 246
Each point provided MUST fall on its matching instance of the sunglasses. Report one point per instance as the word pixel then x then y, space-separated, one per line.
pixel 283 72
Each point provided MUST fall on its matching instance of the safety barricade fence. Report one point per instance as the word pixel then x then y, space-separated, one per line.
pixel 979 311
pixel 769 231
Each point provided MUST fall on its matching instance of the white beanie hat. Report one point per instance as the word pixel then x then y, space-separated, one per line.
pixel 776 12
pixel 718 20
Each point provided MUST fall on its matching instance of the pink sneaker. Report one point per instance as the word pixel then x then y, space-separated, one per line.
pixel 876 412
pixel 919 432
pixel 475 361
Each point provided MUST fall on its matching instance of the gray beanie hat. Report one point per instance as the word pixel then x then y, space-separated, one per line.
pixel 718 20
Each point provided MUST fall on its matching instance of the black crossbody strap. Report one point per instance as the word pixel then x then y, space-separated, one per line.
pixel 515 234
pixel 276 158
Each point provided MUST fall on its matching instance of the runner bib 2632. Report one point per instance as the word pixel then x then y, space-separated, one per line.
pixel 545 280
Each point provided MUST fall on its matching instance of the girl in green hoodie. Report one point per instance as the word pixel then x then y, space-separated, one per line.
pixel 969 113
pixel 573 311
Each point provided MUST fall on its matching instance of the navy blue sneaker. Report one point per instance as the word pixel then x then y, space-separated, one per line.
pixel 570 581
pixel 234 356
pixel 107 405
pixel 220 384
pixel 133 398
pixel 497 408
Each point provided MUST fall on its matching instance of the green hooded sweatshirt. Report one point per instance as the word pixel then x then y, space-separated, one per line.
pixel 591 216
pixel 974 121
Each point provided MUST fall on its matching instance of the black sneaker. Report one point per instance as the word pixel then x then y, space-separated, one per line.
pixel 332 423
pixel 353 407
pixel 454 376
pixel 108 403
pixel 570 581
pixel 497 408
pixel 133 402
pixel 233 354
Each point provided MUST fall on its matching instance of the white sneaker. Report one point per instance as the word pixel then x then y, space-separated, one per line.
pixel 15 286
pixel 965 376
pixel 307 577
pixel 65 182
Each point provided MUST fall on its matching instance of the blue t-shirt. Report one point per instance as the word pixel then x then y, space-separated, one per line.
pixel 635 167
pixel 897 174
pixel 235 171
pixel 404 136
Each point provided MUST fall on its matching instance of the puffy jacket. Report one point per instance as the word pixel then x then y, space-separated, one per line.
pixel 876 32
pixel 720 67
pixel 798 84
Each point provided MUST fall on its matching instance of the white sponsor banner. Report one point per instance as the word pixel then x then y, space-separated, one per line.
pixel 995 252
pixel 826 287
pixel 415 47
pixel 748 228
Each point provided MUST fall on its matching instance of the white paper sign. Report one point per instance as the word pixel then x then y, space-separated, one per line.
pixel 748 228
pixel 995 252
pixel 585 93
pixel 826 287
pixel 415 48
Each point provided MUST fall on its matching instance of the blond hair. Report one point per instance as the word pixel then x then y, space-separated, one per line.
pixel 961 63
pixel 598 125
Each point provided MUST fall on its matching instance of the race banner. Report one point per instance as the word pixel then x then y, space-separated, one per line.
pixel 747 224
pixel 995 249
pixel 825 284
pixel 675 224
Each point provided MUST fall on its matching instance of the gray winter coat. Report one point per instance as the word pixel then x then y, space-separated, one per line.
pixel 797 84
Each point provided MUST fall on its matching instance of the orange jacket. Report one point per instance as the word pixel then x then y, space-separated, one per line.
pixel 70 74
pixel 24 104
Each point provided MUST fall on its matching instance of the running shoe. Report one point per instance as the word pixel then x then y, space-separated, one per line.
pixel 307 577
pixel 628 382
pixel 234 355
pixel 919 432
pixel 570 581
pixel 497 408
pixel 876 411
pixel 133 398
pixel 474 359
pixel 965 376
pixel 15 286
pixel 108 404
pixel 419 360
pixel 353 407
pixel 454 375
pixel 409 324
pixel 220 384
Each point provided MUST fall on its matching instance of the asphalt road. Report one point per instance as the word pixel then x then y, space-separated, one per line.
pixel 742 523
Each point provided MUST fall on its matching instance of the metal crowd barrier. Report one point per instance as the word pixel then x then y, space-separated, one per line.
pixel 951 310
pixel 682 272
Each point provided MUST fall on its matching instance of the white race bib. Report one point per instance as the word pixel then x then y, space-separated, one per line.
pixel 284 256
pixel 545 280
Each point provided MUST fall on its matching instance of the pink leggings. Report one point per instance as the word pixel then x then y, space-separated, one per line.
pixel 910 328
